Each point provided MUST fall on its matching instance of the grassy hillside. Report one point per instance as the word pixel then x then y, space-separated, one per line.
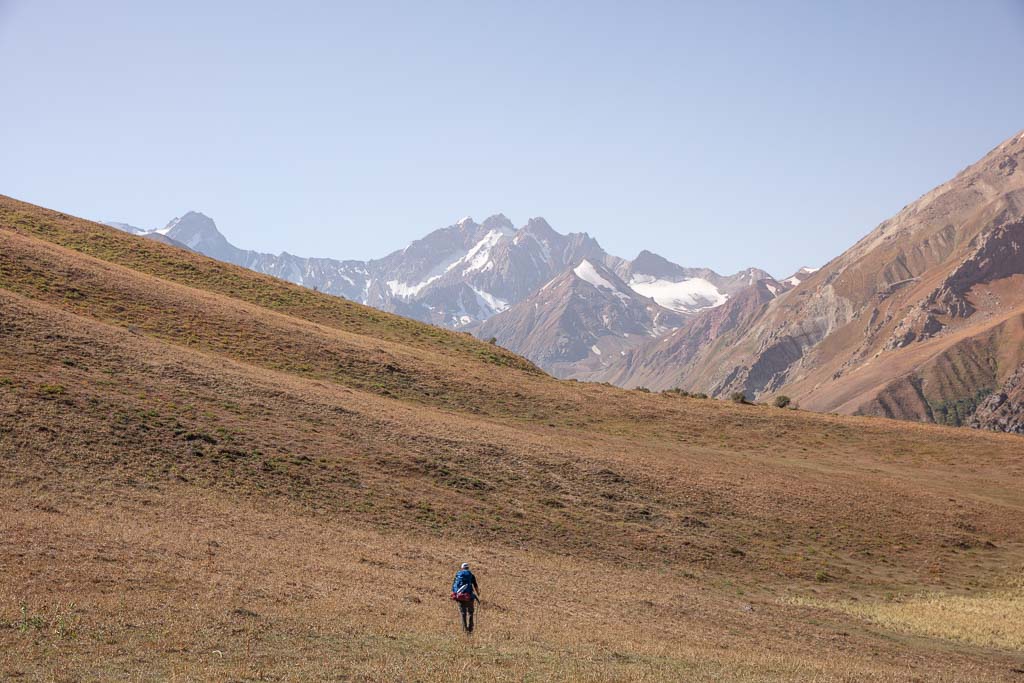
pixel 208 474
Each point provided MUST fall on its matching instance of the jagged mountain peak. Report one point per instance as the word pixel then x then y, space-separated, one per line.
pixel 188 224
pixel 498 221
pixel 540 228
pixel 649 263
pixel 194 219
pixel 198 231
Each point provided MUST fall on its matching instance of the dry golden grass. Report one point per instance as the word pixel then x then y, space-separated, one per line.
pixel 206 474
pixel 992 619
pixel 192 588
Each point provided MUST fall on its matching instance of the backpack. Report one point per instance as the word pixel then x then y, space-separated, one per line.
pixel 462 587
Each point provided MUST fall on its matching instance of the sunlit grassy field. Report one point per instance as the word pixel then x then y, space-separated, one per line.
pixel 200 588
pixel 990 619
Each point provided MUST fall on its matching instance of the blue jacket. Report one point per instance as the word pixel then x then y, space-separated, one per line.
pixel 464 578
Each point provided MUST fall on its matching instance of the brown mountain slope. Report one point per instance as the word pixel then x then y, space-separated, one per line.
pixel 579 320
pixel 893 325
pixel 208 474
pixel 664 363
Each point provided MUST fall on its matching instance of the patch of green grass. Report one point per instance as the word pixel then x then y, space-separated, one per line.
pixel 29 622
pixel 52 390
pixel 63 624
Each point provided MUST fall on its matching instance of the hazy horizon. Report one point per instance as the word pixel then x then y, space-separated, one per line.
pixel 722 137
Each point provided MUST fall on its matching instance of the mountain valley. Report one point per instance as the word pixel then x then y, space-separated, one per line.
pixel 209 473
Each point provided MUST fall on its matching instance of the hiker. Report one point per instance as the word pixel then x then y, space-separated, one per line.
pixel 465 591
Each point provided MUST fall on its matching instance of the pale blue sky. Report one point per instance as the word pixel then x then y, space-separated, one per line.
pixel 719 134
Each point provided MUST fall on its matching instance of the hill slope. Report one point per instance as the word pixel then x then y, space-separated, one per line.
pixel 209 474
pixel 919 320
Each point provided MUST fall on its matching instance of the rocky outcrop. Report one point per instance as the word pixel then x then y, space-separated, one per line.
pixel 1003 410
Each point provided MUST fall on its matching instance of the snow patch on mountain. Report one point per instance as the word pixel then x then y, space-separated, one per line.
pixel 167 228
pixel 125 227
pixel 478 258
pixel 800 276
pixel 589 274
pixel 685 296
pixel 489 301
pixel 405 290
pixel 586 272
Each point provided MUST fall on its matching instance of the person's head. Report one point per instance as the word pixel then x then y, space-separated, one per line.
pixel 465 565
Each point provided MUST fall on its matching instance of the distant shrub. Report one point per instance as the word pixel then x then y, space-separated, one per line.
pixel 699 394
pixel 492 340
pixel 822 576
pixel 781 402
pixel 200 436
pixel 738 397
pixel 644 390
pixel 955 412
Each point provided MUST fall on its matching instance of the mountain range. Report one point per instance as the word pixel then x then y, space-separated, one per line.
pixel 558 299
pixel 922 319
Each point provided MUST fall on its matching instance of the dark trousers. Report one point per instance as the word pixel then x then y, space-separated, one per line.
pixel 466 609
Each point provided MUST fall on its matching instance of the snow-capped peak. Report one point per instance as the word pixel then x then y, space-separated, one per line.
pixel 588 273
pixel 170 226
pixel 800 275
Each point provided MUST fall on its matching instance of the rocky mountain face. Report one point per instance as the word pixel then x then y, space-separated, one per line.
pixel 667 361
pixel 560 300
pixel 921 319
pixel 573 323
pixel 1003 409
